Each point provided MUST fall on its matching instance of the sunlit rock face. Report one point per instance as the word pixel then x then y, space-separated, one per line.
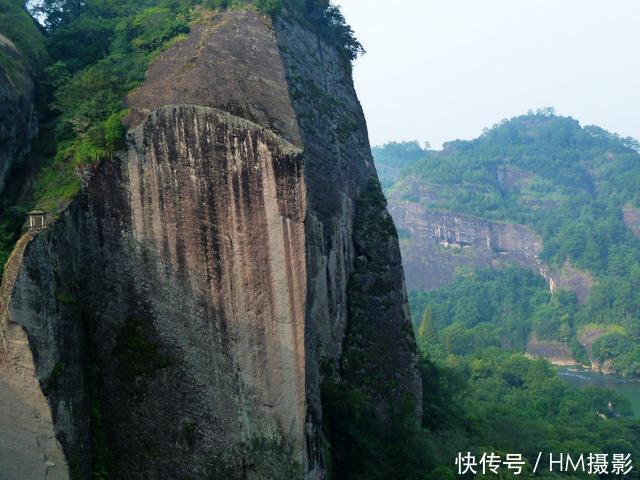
pixel 182 312
pixel 222 202
pixel 214 248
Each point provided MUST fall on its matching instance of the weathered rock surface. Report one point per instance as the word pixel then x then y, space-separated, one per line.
pixel 339 170
pixel 436 244
pixel 570 278
pixel 587 337
pixel 556 353
pixel 230 62
pixel 28 445
pixel 180 312
pixel 18 122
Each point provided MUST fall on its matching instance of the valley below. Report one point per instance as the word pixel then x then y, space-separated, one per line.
pixel 582 378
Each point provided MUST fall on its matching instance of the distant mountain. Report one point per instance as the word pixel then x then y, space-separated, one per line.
pixel 541 192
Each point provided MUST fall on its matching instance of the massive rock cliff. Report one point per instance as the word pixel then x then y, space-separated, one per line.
pixel 178 319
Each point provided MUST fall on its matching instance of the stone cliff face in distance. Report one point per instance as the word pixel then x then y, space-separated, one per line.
pixel 436 244
pixel 177 321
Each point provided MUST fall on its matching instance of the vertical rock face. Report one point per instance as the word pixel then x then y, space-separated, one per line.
pixel 436 244
pixel 341 179
pixel 181 311
pixel 18 123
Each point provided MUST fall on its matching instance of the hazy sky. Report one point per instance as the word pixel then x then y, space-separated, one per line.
pixel 438 70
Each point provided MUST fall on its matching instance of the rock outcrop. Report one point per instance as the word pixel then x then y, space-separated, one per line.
pixel 18 122
pixel 436 244
pixel 183 310
pixel 28 444
pixel 555 352
pixel 588 336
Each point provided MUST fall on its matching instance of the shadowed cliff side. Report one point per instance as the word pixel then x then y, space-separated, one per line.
pixel 18 122
pixel 187 293
pixel 341 179
pixel 29 448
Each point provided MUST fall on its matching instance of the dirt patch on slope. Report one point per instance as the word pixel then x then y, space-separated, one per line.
pixel 555 352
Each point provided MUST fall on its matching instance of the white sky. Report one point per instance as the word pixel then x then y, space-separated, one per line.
pixel 438 70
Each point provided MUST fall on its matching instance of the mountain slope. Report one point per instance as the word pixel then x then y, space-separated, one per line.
pixel 543 192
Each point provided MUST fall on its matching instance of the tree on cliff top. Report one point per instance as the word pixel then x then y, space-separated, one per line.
pixel 321 16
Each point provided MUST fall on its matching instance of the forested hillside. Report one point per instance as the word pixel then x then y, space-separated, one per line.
pixel 573 188
pixel 578 188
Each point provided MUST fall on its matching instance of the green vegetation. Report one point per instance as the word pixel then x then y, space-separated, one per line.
pixel 23 31
pixel 570 184
pixel 90 78
pixel 370 433
pixel 366 446
pixel 398 154
pixel 498 401
pixel 392 157
pixel 493 308
pixel 619 347
pixel 491 400
pixel 480 394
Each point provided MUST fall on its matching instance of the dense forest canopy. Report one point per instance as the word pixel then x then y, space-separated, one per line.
pixel 576 183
